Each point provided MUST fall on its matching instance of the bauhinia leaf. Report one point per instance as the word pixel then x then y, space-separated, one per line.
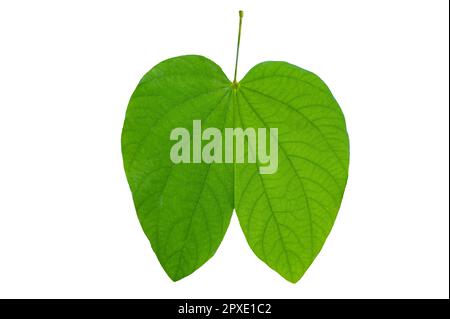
pixel 286 210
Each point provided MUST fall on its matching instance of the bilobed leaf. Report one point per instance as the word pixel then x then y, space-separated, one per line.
pixel 287 216
pixel 184 209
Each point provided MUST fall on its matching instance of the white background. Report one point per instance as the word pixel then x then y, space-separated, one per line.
pixel 67 69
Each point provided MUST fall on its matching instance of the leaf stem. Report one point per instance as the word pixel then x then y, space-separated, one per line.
pixel 241 14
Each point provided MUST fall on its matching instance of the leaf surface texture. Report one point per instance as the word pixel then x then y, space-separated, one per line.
pixel 185 209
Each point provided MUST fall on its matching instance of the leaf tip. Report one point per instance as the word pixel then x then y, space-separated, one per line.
pixel 175 276
pixel 293 279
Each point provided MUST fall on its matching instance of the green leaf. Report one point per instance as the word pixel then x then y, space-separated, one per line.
pixel 287 216
pixel 286 210
pixel 184 209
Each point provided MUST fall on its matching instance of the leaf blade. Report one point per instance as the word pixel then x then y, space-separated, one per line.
pixel 184 209
pixel 301 200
